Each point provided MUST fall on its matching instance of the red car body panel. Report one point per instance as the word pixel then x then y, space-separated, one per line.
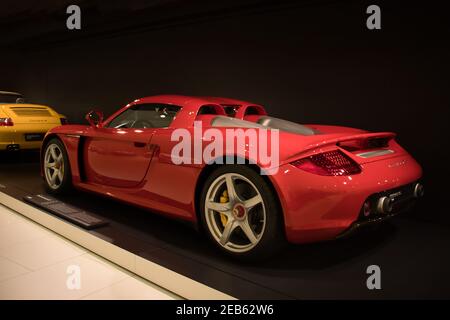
pixel 135 166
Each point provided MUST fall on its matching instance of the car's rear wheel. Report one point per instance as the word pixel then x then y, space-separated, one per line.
pixel 56 167
pixel 240 213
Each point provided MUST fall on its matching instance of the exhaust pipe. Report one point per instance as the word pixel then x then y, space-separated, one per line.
pixel 384 205
pixel 418 190
pixel 12 147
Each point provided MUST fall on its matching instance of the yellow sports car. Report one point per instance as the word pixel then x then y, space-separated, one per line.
pixel 22 125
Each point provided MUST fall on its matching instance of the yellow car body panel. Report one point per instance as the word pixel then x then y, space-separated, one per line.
pixel 30 123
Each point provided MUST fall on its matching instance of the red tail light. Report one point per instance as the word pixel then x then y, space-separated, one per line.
pixel 332 163
pixel 6 122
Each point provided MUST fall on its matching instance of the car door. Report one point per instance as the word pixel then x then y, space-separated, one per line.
pixel 119 153
pixel 117 157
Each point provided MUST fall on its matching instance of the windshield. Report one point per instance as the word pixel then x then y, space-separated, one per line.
pixel 141 116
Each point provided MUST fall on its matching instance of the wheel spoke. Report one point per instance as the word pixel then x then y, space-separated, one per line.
pixel 248 232
pixel 232 195
pixel 53 177
pixel 53 153
pixel 219 207
pixel 227 231
pixel 250 203
pixel 60 176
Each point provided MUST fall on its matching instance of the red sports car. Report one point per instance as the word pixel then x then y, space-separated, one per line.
pixel 321 182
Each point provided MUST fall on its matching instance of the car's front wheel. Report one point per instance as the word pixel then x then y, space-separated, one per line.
pixel 56 167
pixel 240 213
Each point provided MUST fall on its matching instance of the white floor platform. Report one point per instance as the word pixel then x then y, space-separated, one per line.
pixel 36 263
pixel 165 278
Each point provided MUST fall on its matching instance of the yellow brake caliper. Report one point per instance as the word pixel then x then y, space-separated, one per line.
pixel 224 199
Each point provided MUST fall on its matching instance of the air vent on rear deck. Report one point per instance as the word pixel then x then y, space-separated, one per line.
pixel 31 112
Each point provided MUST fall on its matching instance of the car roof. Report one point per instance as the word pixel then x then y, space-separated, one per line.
pixel 10 93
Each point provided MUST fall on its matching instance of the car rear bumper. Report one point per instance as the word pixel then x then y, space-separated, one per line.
pixel 23 136
pixel 318 208
pixel 11 146
pixel 402 198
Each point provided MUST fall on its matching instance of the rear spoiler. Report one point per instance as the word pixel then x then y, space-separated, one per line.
pixel 356 141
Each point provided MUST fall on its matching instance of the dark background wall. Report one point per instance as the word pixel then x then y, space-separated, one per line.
pixel 307 61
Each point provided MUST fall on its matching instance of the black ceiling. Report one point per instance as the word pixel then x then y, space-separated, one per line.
pixel 30 24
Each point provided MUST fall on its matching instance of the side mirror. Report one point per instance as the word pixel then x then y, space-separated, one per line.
pixel 95 118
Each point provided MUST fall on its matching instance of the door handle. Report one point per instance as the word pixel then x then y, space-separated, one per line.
pixel 140 144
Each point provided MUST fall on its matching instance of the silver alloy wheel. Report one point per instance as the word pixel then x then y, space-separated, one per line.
pixel 245 214
pixel 54 166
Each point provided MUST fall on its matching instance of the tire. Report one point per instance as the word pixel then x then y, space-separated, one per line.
pixel 230 219
pixel 57 174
